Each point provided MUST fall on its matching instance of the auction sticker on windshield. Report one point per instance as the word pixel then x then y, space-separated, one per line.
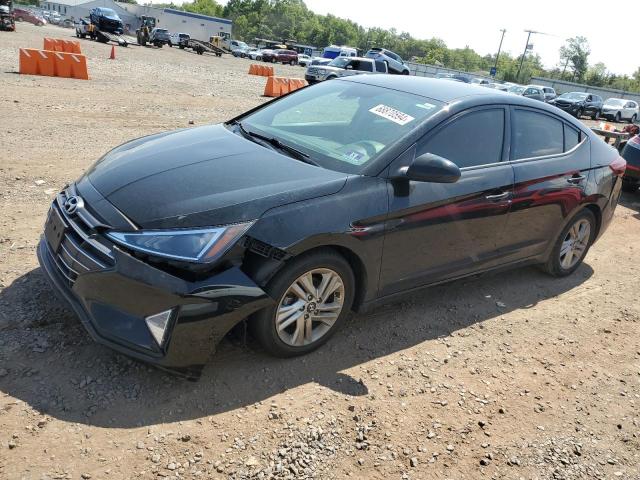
pixel 392 114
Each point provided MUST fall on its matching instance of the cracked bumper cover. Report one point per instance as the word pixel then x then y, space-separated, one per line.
pixel 112 305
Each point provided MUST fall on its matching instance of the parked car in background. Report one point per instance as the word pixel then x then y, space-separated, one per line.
pixel 497 86
pixel 619 109
pixel 631 153
pixel 241 52
pixel 395 63
pixel 579 104
pixel 179 39
pixel 344 67
pixel 107 20
pixel 529 91
pixel 54 18
pixel 303 60
pixel 82 27
pixel 281 55
pixel 549 93
pixel 255 54
pixel 480 81
pixel 334 198
pixel 453 76
pixel 159 37
pixel 24 15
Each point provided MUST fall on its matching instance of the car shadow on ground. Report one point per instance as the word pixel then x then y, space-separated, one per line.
pixel 51 364
pixel 631 200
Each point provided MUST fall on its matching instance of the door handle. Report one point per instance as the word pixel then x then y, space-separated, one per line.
pixel 576 179
pixel 497 196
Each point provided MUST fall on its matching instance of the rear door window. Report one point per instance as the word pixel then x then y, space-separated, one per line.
pixel 380 66
pixel 535 135
pixel 474 139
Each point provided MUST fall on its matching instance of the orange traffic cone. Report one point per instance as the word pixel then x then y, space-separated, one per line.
pixel 113 53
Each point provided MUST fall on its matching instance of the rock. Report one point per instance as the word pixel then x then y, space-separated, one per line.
pixel 185 437
pixel 361 461
pixel 140 445
pixel 450 448
pixel 251 461
pixel 86 476
pixel 39 182
pixel 155 458
pixel 485 461
pixel 414 462
pixel 12 444
pixel 171 466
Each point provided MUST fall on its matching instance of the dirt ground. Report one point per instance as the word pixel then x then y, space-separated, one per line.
pixel 514 375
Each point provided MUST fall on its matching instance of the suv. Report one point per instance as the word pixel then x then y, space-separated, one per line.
pixel 107 20
pixel 179 39
pixel 549 93
pixel 159 37
pixel 82 27
pixel 281 56
pixel 344 67
pixel 619 109
pixel 579 104
pixel 394 62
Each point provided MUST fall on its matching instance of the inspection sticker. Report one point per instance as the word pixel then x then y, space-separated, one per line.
pixel 392 114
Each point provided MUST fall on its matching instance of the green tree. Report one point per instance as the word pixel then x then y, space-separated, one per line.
pixel 575 52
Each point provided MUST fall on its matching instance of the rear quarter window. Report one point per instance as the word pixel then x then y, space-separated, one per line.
pixel 571 137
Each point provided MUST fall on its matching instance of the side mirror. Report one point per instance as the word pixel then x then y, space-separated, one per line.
pixel 431 168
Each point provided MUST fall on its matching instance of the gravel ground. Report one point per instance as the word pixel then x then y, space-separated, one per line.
pixel 513 375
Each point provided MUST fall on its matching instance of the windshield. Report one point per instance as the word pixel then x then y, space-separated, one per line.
pixel 162 30
pixel 573 96
pixel 341 125
pixel 616 102
pixel 107 12
pixel 340 62
pixel 516 89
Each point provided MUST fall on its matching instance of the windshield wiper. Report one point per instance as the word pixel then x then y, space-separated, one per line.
pixel 274 142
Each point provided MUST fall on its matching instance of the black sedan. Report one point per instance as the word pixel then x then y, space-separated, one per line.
pixel 334 198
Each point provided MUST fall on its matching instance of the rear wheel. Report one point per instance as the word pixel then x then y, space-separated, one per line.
pixel 596 115
pixel 313 294
pixel 572 245
pixel 618 117
pixel 579 113
pixel 292 62
pixel 633 118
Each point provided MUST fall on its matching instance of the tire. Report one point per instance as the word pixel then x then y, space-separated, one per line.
pixel 554 265
pixel 579 113
pixel 292 63
pixel 617 118
pixel 170 45
pixel 629 187
pixel 633 118
pixel 405 72
pixel 325 264
pixel 596 115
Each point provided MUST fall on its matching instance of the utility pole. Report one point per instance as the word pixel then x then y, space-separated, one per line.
pixel 495 67
pixel 526 47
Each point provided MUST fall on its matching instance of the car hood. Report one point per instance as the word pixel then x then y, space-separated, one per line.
pixel 204 176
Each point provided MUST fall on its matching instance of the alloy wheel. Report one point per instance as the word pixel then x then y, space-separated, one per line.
pixel 575 243
pixel 310 307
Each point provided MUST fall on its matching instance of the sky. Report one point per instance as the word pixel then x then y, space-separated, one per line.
pixel 477 23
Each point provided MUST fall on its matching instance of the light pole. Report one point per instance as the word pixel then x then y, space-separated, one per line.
pixel 526 47
pixel 495 67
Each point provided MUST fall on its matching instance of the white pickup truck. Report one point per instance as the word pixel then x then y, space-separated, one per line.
pixel 344 67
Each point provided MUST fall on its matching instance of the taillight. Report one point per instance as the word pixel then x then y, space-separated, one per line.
pixel 618 166
pixel 635 140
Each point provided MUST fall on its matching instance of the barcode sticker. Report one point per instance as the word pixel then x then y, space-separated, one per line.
pixel 392 114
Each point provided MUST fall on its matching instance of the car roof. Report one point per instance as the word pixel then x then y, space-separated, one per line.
pixel 461 93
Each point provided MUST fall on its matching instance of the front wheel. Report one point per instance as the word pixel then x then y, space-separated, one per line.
pixel 618 117
pixel 572 245
pixel 292 63
pixel 579 113
pixel 633 118
pixel 596 115
pixel 313 295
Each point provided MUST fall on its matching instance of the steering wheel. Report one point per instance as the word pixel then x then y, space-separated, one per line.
pixel 371 147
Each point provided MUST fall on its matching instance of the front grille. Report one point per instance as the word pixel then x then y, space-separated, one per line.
pixel 312 71
pixel 81 249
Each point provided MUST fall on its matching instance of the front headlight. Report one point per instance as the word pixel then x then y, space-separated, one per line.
pixel 202 245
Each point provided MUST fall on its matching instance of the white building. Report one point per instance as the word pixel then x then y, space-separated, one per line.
pixel 197 26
